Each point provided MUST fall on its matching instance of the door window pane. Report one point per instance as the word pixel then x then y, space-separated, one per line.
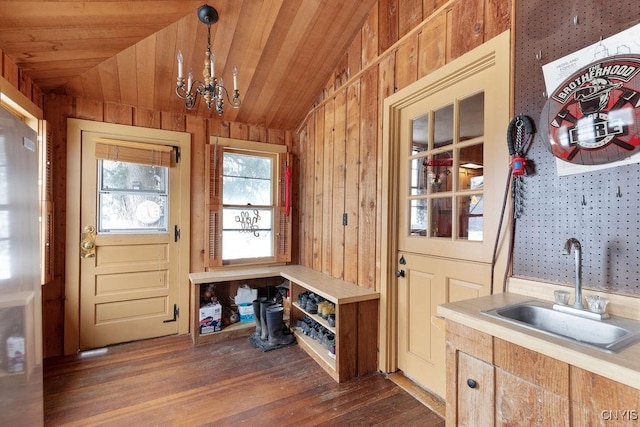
pixel 441 217
pixel 440 169
pixel 470 217
pixel 471 166
pixel 420 128
pixel 419 176
pixel 418 221
pixel 472 117
pixel 443 127
pixel 132 177
pixel 132 197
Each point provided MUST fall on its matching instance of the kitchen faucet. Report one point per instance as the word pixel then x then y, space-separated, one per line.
pixel 578 256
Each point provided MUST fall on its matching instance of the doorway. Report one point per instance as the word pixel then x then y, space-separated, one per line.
pixel 127 234
pixel 447 162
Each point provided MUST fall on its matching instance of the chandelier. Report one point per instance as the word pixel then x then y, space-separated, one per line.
pixel 212 89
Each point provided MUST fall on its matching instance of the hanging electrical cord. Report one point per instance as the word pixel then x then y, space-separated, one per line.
pixel 519 136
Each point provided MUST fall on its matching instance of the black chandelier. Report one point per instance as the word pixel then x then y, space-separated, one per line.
pixel 211 89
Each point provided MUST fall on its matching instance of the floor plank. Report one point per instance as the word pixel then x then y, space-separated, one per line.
pixel 168 382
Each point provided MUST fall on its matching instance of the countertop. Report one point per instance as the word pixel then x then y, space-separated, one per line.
pixel 623 366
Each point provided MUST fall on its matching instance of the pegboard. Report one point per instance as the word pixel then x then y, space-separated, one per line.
pixel 586 206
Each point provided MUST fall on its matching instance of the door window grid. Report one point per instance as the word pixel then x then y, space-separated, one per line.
pixel 446 168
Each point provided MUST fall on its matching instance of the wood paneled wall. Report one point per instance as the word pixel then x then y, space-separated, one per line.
pixel 401 42
pixel 58 108
pixel 14 75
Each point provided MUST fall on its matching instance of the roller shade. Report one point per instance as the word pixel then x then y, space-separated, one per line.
pixel 133 152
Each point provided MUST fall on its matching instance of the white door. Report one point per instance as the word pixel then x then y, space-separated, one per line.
pixel 452 170
pixel 130 238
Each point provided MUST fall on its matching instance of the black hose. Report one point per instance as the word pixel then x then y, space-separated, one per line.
pixel 497 241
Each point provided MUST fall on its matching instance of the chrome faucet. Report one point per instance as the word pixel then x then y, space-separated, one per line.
pixel 578 256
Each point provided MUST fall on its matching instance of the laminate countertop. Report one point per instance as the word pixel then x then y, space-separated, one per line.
pixel 623 366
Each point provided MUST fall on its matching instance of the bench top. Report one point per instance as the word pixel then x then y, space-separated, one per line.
pixel 331 288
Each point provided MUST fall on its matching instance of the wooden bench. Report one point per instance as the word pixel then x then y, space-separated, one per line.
pixel 356 326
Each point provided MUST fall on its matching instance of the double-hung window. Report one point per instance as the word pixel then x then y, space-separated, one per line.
pixel 248 213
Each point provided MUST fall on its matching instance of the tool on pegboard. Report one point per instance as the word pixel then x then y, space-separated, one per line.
pixel 519 136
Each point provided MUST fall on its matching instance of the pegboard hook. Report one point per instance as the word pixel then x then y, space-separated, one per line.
pixel 584 201
pixel 619 193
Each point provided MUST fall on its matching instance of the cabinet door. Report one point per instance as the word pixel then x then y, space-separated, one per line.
pixel 519 402
pixel 475 386
pixel 599 401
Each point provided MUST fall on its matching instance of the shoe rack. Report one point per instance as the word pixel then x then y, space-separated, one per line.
pixel 356 317
pixel 356 320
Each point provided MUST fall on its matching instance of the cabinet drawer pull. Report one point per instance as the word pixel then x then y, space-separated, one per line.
pixel 472 383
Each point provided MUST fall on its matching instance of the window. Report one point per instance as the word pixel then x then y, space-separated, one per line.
pixel 132 188
pixel 249 220
pixel 446 166
pixel 131 197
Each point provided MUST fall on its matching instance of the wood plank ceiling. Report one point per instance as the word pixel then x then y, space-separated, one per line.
pixel 125 51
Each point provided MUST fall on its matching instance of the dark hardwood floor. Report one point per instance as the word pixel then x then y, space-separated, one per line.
pixel 168 382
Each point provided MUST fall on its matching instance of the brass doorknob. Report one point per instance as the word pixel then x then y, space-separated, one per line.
pixel 88 242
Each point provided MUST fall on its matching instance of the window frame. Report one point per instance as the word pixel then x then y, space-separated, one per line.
pixel 281 219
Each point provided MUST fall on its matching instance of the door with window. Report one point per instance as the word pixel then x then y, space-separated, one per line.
pixel 452 169
pixel 130 255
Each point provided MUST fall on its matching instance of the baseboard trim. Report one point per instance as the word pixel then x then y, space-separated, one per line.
pixel 428 399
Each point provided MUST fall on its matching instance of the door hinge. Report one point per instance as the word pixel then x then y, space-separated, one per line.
pixel 176 233
pixel 178 154
pixel 345 219
pixel 176 314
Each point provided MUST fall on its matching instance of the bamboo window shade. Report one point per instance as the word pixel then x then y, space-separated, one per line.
pixel 133 152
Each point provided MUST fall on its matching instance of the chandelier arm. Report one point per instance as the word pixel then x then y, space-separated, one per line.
pixel 234 100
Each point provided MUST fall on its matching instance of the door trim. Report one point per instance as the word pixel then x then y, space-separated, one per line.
pixel 495 52
pixel 75 127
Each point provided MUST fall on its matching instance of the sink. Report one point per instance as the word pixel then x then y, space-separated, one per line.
pixel 609 335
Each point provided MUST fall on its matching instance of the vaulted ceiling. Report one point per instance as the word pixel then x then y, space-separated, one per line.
pixel 125 51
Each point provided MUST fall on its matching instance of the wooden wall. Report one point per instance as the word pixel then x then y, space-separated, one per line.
pixel 14 75
pixel 401 41
pixel 58 108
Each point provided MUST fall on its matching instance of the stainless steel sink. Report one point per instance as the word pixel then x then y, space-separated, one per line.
pixel 610 335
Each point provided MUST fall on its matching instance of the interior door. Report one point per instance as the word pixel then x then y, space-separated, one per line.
pixel 128 244
pixel 451 174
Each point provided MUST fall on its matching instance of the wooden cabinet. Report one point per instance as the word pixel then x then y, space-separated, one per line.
pixel 492 382
pixel 475 387
pixel 470 376
pixel 356 321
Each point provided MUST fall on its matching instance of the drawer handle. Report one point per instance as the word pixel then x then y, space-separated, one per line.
pixel 472 383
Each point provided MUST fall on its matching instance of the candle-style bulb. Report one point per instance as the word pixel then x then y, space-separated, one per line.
pixel 190 81
pixel 180 61
pixel 211 58
pixel 235 78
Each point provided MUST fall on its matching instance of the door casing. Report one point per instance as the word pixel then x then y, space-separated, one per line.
pixel 493 53
pixel 75 128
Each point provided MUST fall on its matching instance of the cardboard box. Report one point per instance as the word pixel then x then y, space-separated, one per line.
pixel 245 310
pixel 210 318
